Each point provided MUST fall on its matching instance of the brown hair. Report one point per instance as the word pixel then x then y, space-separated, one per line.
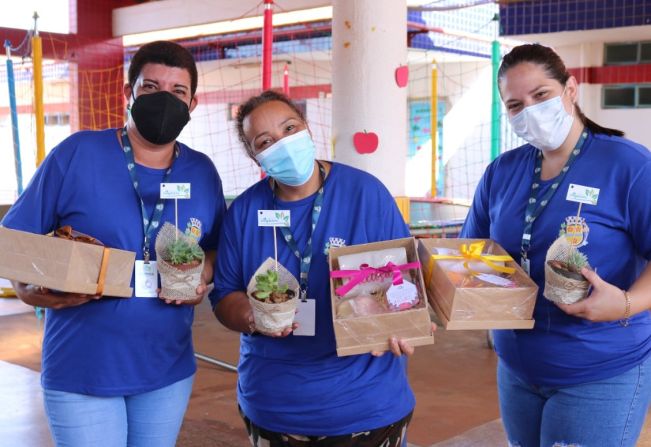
pixel 253 103
pixel 555 69
pixel 166 53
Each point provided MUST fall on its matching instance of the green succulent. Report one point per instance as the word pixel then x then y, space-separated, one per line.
pixel 577 260
pixel 181 251
pixel 268 283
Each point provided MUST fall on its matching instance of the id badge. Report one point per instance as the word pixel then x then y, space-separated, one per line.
pixel 306 318
pixel 146 279
pixel 526 265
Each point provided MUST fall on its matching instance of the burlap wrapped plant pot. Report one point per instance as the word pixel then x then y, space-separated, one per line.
pixel 272 317
pixel 563 281
pixel 178 281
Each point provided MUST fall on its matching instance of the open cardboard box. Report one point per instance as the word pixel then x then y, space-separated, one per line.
pixel 477 308
pixel 64 265
pixel 360 335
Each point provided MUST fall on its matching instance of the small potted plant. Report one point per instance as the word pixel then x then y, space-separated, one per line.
pixel 273 294
pixel 564 282
pixel 571 267
pixel 183 255
pixel 180 263
pixel 270 290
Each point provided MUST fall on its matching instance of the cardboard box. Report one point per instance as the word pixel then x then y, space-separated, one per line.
pixel 62 264
pixel 360 335
pixel 477 308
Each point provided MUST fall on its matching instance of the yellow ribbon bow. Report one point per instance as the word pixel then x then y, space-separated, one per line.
pixel 473 252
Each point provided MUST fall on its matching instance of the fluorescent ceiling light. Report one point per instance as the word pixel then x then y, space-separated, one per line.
pixel 230 26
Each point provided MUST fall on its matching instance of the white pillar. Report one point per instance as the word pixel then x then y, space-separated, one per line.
pixel 369 42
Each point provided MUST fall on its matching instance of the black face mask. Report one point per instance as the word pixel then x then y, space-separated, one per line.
pixel 160 117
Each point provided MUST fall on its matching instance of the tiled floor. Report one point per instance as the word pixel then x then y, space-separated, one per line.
pixel 454 382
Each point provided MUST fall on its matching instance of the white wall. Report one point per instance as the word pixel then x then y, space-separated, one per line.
pixel 634 122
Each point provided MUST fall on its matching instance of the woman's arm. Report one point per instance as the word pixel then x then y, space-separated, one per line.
pixel 234 311
pixel 43 297
pixel 640 292
pixel 608 302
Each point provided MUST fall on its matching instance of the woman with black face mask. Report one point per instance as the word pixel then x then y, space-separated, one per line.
pixel 119 371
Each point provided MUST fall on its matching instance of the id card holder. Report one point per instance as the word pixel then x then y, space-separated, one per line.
pixel 306 318
pixel 526 265
pixel 146 279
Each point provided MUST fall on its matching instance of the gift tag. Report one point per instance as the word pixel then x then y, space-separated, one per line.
pixel 175 190
pixel 402 296
pixel 274 218
pixel 146 279
pixel 495 280
pixel 582 194
pixel 306 318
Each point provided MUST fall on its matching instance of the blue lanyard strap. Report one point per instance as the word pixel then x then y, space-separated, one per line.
pixel 306 256
pixel 535 207
pixel 150 223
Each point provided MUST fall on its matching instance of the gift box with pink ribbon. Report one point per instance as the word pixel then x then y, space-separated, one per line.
pixel 475 284
pixel 377 292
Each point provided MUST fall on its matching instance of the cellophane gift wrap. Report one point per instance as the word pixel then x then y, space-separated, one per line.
pixel 377 293
pixel 374 282
pixel 476 281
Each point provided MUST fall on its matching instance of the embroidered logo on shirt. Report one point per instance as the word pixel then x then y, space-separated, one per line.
pixel 575 230
pixel 193 228
pixel 334 242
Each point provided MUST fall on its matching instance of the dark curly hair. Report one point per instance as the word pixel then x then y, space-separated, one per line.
pixel 253 103
pixel 555 69
pixel 166 53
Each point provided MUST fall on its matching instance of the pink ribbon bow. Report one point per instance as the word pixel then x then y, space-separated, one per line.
pixel 367 273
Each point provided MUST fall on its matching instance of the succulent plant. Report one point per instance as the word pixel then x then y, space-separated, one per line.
pixel 181 251
pixel 269 288
pixel 577 260
pixel 571 266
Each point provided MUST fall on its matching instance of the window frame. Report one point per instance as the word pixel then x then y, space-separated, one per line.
pixel 636 95
pixel 638 58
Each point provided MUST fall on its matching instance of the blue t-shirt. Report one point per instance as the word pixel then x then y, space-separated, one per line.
pixel 116 346
pixel 298 384
pixel 614 234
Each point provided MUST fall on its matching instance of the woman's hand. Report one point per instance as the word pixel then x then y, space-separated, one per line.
pixel 44 297
pixel 204 288
pixel 235 312
pixel 284 333
pixel 606 302
pixel 201 292
pixel 399 347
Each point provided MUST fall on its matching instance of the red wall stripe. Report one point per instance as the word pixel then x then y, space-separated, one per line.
pixel 613 74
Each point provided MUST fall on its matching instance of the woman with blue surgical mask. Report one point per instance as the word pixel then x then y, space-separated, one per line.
pixel 293 390
pixel 581 375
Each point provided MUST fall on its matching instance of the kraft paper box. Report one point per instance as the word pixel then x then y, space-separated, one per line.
pixel 62 264
pixel 480 305
pixel 358 335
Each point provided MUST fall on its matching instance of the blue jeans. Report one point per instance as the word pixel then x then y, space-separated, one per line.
pixel 605 413
pixel 151 419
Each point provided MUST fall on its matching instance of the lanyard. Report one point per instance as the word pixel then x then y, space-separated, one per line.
pixel 536 207
pixel 306 257
pixel 152 222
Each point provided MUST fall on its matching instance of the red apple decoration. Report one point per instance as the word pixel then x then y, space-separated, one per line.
pixel 402 76
pixel 365 142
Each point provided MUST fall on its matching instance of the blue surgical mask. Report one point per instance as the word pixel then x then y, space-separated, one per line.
pixel 289 161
